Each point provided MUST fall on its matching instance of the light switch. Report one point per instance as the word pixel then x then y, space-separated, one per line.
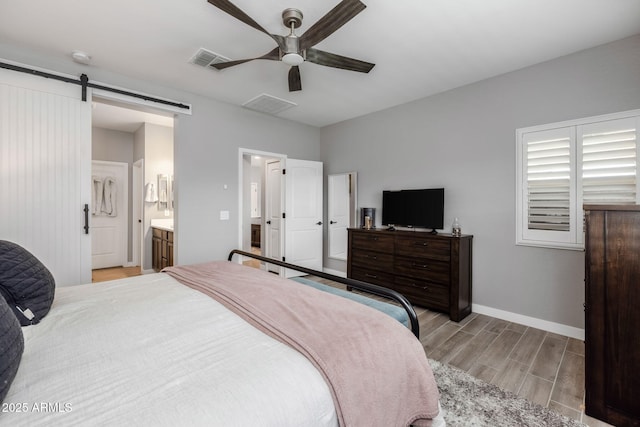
pixel 224 215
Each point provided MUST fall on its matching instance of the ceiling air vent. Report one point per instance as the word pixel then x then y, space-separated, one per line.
pixel 268 104
pixel 206 58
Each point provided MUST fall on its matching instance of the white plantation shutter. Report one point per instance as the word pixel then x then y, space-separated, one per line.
pixel 609 162
pixel 548 181
pixel 562 166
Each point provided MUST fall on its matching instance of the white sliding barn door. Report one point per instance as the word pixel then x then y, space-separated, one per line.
pixel 303 209
pixel 45 164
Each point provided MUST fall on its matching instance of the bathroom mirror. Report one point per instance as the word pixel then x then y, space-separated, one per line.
pixel 163 192
pixel 342 201
pixel 255 200
pixel 171 198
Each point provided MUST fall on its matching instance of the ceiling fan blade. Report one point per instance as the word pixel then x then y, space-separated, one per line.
pixel 338 61
pixel 274 55
pixel 329 23
pixel 295 84
pixel 233 10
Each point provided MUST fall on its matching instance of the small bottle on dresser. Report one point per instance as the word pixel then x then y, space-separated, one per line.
pixel 456 231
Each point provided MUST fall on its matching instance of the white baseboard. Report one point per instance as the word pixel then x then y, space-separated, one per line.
pixel 545 325
pixel 148 271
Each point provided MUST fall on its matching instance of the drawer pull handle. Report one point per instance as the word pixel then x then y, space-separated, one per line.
pixel 426 266
pixel 373 276
pixel 421 243
pixel 372 257
pixel 424 288
pixel 373 238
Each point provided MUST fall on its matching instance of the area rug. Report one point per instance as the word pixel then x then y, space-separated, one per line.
pixel 470 402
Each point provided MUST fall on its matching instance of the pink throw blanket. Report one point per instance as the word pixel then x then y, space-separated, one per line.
pixel 376 369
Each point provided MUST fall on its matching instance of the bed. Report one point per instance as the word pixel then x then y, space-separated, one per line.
pixel 158 349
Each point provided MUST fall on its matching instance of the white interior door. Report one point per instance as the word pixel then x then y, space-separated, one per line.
pixel 273 212
pixel 109 218
pixel 303 209
pixel 45 170
pixel 338 207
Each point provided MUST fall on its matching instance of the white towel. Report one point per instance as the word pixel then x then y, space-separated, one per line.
pixel 110 193
pixel 96 195
pixel 150 193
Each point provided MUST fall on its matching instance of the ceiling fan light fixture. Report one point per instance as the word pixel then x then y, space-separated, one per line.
pixel 292 59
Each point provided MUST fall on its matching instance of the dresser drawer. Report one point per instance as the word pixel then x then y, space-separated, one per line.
pixel 427 294
pixel 423 269
pixel 157 232
pixel 372 241
pixel 370 276
pixel 372 260
pixel 427 247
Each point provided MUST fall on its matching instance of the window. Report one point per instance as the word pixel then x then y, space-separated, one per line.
pixel 562 166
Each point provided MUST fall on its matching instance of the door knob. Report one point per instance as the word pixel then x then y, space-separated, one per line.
pixel 319 223
pixel 269 222
pixel 333 222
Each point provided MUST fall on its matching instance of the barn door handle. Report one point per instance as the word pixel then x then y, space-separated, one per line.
pixel 86 218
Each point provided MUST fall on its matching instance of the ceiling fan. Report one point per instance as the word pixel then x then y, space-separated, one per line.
pixel 294 50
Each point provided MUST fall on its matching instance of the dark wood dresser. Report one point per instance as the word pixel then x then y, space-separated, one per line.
pixel 612 310
pixel 255 235
pixel 431 270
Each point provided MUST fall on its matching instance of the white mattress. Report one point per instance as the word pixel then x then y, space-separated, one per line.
pixel 150 351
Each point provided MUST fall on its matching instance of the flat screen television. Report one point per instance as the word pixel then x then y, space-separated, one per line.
pixel 414 208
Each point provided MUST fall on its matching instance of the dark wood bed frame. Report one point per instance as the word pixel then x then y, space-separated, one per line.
pixel 351 284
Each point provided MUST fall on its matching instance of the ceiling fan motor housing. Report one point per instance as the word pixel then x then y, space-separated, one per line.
pixel 291 45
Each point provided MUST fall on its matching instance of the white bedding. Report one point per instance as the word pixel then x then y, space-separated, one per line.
pixel 181 359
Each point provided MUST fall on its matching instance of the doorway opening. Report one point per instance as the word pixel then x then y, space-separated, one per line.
pixel 296 238
pixel 131 146
pixel 261 206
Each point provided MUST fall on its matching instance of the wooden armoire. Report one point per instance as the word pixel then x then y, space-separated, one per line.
pixel 612 309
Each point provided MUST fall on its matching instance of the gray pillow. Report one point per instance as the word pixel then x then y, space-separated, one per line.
pixel 25 283
pixel 11 347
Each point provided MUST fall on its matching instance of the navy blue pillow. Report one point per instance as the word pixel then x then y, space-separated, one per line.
pixel 11 347
pixel 25 283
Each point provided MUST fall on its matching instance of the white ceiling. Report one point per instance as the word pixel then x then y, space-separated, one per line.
pixel 420 47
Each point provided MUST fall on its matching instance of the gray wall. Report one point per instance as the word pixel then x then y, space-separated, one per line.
pixel 464 140
pixel 207 159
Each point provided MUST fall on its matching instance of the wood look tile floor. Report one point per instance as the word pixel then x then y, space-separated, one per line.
pixel 104 274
